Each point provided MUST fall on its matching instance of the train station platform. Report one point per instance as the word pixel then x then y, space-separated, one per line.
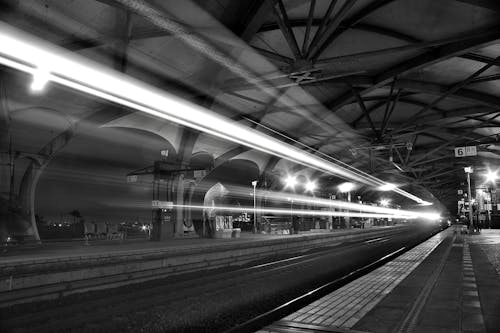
pixel 49 251
pixel 449 283
pixel 53 270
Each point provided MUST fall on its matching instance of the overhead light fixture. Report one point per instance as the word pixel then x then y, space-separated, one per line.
pixel 384 202
pixel 29 54
pixel 310 186
pixel 290 181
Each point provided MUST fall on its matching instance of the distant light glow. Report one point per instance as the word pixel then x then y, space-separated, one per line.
pixel 310 186
pixel 290 181
pixel 28 54
pixel 346 187
pixel 384 202
pixel 491 176
pixel 387 187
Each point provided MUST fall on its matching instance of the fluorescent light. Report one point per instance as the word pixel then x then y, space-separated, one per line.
pixel 29 54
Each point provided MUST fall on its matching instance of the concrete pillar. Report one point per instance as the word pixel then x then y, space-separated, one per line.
pixel 27 193
pixel 5 169
pixel 179 200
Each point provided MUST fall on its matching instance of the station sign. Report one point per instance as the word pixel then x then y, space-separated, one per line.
pixel 465 151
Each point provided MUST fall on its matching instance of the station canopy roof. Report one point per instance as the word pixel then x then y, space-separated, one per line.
pixel 389 87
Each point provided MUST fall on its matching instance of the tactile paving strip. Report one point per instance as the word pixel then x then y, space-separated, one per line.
pixel 346 306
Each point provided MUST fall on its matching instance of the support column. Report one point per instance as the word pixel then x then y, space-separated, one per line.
pixel 5 167
pixel 27 193
pixel 179 212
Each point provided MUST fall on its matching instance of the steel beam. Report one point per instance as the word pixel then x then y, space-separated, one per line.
pixel 438 89
pixel 363 13
pixel 365 112
pixel 454 88
pixel 321 26
pixel 286 28
pixel 322 42
pixel 387 115
pixel 479 39
pixel 310 18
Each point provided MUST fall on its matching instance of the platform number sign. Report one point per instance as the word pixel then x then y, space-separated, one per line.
pixel 465 151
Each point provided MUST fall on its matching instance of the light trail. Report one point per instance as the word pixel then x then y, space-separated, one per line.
pixel 29 54
pixel 328 203
pixel 285 211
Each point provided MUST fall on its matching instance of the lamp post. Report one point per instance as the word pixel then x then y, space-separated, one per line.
pixel 310 187
pixel 254 184
pixel 468 170
pixel 291 215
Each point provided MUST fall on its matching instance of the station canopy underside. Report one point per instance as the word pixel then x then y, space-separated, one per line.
pixel 388 87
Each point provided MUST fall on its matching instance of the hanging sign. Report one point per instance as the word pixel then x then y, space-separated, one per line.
pixel 465 151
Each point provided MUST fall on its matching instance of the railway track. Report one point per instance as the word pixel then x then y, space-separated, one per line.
pixel 244 291
pixel 291 306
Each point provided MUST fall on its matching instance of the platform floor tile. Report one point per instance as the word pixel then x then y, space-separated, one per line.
pixel 347 305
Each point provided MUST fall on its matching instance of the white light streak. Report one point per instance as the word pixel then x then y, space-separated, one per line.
pixel 275 197
pixel 297 211
pixel 28 54
pixel 387 187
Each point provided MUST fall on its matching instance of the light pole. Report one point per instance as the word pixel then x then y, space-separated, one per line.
pixel 290 182
pixel 291 214
pixel 254 184
pixel 310 187
pixel 468 170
